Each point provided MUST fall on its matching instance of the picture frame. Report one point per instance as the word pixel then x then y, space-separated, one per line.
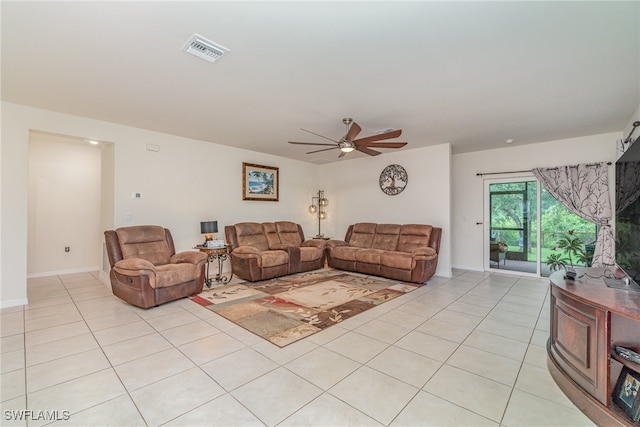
pixel 260 182
pixel 627 393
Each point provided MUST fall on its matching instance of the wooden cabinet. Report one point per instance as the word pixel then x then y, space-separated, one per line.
pixel 588 320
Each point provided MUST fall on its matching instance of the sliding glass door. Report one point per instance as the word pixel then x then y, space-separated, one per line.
pixel 523 224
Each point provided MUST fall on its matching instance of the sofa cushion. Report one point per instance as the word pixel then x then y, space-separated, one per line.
pixel 370 256
pixel 288 232
pixel 399 260
pixel 146 242
pixel 173 274
pixel 345 253
pixel 413 236
pixel 386 237
pixel 362 235
pixel 273 258
pixel 251 234
pixel 310 253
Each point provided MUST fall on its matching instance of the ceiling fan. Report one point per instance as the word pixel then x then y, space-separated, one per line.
pixel 348 143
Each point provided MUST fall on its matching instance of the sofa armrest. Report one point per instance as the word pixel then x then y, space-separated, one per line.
pixel 334 243
pixel 134 267
pixel 424 253
pixel 190 257
pixel 315 243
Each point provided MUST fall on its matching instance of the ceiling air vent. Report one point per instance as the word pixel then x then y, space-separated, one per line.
pixel 203 48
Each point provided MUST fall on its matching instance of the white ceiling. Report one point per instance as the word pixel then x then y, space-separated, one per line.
pixel 467 73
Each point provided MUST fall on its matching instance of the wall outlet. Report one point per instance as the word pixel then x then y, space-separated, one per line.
pixel 136 195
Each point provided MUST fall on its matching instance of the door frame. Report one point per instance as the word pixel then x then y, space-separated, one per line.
pixel 486 238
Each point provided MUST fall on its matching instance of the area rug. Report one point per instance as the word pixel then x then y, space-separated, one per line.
pixel 287 309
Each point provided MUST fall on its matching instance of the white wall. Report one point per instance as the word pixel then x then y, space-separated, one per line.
pixel 355 196
pixel 64 205
pixel 468 189
pixel 186 182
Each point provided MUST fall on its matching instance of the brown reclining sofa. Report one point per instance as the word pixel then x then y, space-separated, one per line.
pixel 406 252
pixel 266 250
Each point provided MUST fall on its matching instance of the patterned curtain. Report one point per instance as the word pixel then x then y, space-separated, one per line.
pixel 584 190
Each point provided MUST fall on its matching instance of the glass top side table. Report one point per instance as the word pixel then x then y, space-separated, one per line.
pixel 221 255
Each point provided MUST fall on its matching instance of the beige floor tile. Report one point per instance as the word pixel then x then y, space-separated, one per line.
pixel 496 344
pixel 536 356
pixel 293 393
pixel 538 381
pixel 428 345
pixel 529 310
pixel 172 320
pixel 222 411
pixel 473 309
pixel 171 397
pixel 155 367
pixel 65 368
pixel 528 410
pixel 124 317
pixel 428 410
pixel 11 361
pixel 100 307
pixel 238 368
pixel 362 391
pixel 323 367
pixel 501 328
pixel 116 412
pixel 12 385
pixel 405 366
pixel 11 343
pixel 12 412
pixel 473 392
pixel 123 333
pixel 210 348
pixel 356 347
pixel 190 332
pixel 47 322
pixel 42 353
pixel 327 410
pixel 11 323
pixel 285 354
pixel 488 365
pixel 400 318
pixel 382 331
pixel 135 348
pixel 242 335
pixel 536 302
pixel 327 335
pixel 58 309
pixel 55 333
pixel 513 318
pixel 458 318
pixel 446 330
pixel 78 394
pixel 539 338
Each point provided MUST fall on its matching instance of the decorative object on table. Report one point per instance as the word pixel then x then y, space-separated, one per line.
pixel 260 182
pixel 290 308
pixel 318 203
pixel 627 393
pixel 208 228
pixel 220 254
pixel 347 143
pixel 393 180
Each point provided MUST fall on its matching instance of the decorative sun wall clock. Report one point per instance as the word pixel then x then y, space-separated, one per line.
pixel 393 180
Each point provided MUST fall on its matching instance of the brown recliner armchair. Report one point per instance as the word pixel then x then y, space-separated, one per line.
pixel 145 269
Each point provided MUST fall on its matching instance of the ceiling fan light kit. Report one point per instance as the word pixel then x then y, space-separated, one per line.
pixel 348 143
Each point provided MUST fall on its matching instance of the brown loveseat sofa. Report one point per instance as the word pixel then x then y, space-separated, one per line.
pixel 406 252
pixel 265 250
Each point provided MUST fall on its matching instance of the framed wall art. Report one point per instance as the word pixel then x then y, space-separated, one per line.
pixel 627 393
pixel 260 182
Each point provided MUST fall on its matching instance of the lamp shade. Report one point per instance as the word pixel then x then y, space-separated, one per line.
pixel 208 227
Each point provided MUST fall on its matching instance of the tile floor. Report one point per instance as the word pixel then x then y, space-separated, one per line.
pixel 465 351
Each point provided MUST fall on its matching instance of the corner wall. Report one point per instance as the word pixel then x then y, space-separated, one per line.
pixel 468 189
pixel 186 182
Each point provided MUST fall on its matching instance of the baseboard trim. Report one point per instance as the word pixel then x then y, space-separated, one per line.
pixel 13 302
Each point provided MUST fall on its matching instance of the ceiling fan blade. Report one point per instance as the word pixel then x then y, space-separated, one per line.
pixel 324 149
pixel 342 153
pixel 367 150
pixel 353 131
pixel 310 143
pixel 383 144
pixel 380 136
pixel 317 134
